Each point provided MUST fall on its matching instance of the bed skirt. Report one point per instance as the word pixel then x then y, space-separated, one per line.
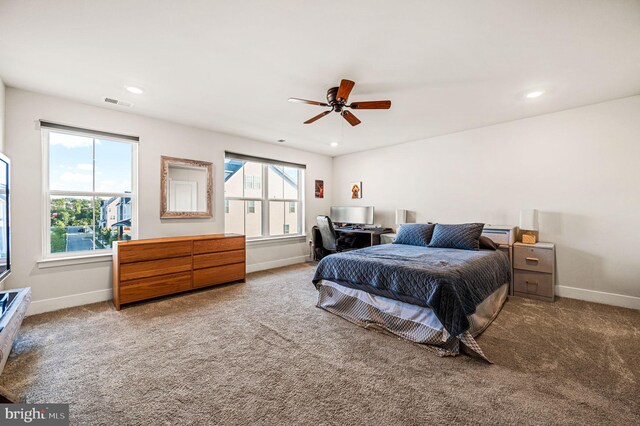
pixel 414 323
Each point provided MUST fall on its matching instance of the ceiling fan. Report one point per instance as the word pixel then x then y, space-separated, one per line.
pixel 337 98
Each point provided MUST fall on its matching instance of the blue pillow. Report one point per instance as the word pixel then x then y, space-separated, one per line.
pixel 465 236
pixel 415 234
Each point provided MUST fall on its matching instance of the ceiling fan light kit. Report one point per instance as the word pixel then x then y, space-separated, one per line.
pixel 337 98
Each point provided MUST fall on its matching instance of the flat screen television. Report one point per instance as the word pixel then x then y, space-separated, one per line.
pixel 5 234
pixel 352 215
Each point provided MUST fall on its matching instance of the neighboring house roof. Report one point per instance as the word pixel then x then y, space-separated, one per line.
pixel 232 166
pixel 122 223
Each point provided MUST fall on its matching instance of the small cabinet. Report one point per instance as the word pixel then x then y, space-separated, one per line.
pixel 534 271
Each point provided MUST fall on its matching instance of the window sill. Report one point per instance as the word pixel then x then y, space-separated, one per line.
pixel 54 262
pixel 277 240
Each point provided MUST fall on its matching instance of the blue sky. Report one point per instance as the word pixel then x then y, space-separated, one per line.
pixel 71 164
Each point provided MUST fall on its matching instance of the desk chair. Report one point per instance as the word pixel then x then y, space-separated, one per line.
pixel 331 242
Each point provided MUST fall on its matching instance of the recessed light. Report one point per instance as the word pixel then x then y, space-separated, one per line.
pixel 135 90
pixel 534 94
pixel 281 140
pixel 334 144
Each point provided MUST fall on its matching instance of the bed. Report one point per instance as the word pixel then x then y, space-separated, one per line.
pixel 440 297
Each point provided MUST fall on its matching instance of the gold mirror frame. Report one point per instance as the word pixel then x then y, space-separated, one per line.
pixel 164 179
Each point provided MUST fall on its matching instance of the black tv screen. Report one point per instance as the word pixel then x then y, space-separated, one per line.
pixel 5 255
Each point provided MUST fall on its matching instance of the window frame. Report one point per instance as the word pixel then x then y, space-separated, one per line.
pixel 47 193
pixel 264 200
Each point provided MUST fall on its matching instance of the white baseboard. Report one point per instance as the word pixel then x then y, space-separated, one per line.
pixel 598 297
pixel 48 305
pixel 56 303
pixel 255 267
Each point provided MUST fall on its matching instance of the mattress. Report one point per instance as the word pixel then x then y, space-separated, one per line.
pixel 451 282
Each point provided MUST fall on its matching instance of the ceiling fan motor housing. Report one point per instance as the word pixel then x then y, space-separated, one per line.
pixel 333 100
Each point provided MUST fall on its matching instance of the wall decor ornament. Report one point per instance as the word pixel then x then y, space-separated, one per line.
pixel 356 190
pixel 319 189
pixel 186 188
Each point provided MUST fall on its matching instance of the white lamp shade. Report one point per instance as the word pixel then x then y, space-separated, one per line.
pixel 529 219
pixel 401 217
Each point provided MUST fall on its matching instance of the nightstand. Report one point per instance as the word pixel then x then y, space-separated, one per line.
pixel 387 238
pixel 534 268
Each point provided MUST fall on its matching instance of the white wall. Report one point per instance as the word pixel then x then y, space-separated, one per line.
pixel 580 168
pixel 64 286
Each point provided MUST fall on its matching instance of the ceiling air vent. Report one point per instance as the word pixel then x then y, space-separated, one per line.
pixel 117 102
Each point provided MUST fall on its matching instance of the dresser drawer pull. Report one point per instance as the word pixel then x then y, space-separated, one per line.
pixel 532 259
pixel 534 282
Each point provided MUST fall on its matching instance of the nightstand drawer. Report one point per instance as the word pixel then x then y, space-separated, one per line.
pixel 533 259
pixel 536 283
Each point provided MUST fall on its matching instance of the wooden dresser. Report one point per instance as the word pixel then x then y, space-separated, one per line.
pixel 144 269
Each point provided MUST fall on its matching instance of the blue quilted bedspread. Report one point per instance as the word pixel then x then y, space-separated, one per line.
pixel 452 282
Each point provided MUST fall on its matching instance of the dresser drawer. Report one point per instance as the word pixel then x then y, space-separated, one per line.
pixel 141 252
pixel 218 244
pixel 218 275
pixel 132 271
pixel 533 259
pixel 218 259
pixel 145 288
pixel 536 283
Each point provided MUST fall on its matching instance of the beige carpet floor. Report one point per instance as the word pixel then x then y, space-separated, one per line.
pixel 262 353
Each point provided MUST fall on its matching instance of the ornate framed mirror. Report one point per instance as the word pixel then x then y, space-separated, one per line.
pixel 186 188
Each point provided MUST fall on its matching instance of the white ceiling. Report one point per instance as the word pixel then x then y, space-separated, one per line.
pixel 231 65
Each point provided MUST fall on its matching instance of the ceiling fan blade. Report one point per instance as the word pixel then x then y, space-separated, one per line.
pixel 352 119
pixel 345 88
pixel 317 117
pixel 304 101
pixel 371 105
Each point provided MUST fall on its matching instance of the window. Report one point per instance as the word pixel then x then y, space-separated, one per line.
pixel 248 182
pixel 252 182
pixel 265 197
pixel 89 185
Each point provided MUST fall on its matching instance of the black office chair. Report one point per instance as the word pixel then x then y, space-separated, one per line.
pixel 331 241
